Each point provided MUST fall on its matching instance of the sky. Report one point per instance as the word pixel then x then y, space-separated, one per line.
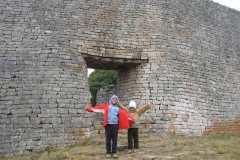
pixel 90 71
pixel 235 4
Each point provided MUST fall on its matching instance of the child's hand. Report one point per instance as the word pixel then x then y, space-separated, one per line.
pixel 150 102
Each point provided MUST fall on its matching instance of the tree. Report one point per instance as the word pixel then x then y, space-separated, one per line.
pixel 100 78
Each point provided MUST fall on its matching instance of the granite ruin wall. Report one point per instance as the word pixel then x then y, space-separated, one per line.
pixel 184 55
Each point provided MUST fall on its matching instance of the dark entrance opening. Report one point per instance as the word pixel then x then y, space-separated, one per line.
pixel 111 63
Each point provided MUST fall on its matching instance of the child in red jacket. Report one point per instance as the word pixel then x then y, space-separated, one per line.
pixel 114 118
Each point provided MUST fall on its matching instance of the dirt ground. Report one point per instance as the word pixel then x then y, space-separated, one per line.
pixel 153 146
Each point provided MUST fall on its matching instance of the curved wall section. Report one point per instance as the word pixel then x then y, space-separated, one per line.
pixel 182 55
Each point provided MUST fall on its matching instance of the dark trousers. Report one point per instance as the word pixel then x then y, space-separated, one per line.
pixel 111 133
pixel 133 136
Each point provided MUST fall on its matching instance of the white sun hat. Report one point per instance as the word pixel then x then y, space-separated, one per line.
pixel 132 104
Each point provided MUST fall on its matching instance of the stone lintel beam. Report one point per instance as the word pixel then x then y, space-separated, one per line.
pixel 111 63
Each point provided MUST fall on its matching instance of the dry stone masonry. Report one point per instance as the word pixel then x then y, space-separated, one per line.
pixel 184 55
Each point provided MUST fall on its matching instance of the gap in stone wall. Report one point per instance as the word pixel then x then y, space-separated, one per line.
pixel 125 65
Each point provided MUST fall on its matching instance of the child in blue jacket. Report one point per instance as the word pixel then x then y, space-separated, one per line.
pixel 114 118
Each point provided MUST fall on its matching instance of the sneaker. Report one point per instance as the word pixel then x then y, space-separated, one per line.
pixel 115 155
pixel 135 150
pixel 129 151
pixel 108 155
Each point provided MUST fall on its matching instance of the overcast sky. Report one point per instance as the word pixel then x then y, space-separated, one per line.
pixel 235 4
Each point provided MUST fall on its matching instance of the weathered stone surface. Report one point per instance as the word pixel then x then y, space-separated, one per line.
pixel 184 56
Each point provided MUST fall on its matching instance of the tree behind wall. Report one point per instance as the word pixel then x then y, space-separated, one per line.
pixel 100 78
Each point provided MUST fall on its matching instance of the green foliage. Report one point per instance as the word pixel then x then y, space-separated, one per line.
pixel 73 145
pixel 100 78
pixel 88 141
pixel 51 149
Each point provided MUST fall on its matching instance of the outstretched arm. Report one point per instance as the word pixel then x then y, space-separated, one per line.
pixel 122 107
pixel 144 108
pixel 100 108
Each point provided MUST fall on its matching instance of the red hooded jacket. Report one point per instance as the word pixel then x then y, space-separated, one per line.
pixel 123 117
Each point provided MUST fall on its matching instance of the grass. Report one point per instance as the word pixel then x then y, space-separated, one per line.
pixel 152 146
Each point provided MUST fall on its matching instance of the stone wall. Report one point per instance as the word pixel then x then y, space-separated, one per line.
pixel 104 94
pixel 192 75
pixel 43 78
pixel 182 55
